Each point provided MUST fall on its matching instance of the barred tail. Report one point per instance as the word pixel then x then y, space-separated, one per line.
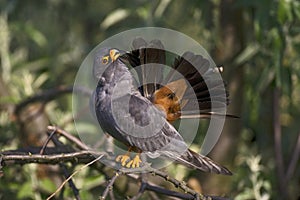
pixel 203 163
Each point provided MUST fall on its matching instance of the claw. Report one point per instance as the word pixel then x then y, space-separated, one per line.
pixel 123 159
pixel 135 162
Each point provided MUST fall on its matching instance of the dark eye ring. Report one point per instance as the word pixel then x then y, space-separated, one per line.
pixel 105 60
pixel 171 95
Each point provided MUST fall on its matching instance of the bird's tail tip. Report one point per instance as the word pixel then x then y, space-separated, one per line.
pixel 204 163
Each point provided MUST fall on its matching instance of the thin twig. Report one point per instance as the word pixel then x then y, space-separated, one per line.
pixel 188 192
pixel 153 195
pixel 141 190
pixel 47 142
pixel 73 174
pixel 62 166
pixel 111 195
pixel 68 136
pixel 109 187
pixel 71 183
pixel 182 185
pixel 1 165
pixel 167 192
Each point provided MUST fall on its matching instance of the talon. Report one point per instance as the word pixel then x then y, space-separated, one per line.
pixel 123 159
pixel 135 162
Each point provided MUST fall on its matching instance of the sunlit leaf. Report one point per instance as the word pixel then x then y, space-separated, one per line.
pixel 284 11
pixel 114 17
pixel 36 35
pixel 246 54
pixel 265 78
pixel 47 185
pixel 25 190
pixel 40 80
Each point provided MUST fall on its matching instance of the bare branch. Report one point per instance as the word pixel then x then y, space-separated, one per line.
pixel 65 153
pixel 180 184
pixel 68 136
pixel 46 142
pixel 146 186
pixel 110 184
pixel 21 158
pixel 70 181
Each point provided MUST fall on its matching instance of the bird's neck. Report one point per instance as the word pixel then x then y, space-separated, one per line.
pixel 116 73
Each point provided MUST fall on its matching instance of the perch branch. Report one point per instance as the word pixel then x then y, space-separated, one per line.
pixel 22 158
pixel 64 153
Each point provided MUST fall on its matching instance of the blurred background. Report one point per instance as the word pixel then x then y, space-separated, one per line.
pixel 43 43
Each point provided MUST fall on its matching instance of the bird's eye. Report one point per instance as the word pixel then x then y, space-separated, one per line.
pixel 171 95
pixel 105 60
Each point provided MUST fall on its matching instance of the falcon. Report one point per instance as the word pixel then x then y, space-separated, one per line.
pixel 140 117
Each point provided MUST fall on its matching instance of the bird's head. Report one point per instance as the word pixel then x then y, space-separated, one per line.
pixel 103 58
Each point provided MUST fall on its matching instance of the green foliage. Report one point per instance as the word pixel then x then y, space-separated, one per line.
pixel 258 188
pixel 253 179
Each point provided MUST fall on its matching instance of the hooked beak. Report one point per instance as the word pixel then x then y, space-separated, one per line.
pixel 114 54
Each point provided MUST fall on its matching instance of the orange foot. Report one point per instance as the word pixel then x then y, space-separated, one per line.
pixel 135 162
pixel 123 158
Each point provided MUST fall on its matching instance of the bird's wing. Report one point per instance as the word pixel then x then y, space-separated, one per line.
pixel 144 58
pixel 144 126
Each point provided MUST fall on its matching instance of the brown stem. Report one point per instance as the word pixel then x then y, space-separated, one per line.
pixel 278 142
pixel 294 160
pixel 110 185
pixel 68 136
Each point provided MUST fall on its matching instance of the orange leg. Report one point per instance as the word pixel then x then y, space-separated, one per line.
pixel 135 162
pixel 123 158
pixel 127 162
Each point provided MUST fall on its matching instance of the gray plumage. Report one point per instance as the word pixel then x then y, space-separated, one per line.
pixel 134 120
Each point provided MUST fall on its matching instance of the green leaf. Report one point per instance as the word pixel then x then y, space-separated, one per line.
pixel 248 53
pixel 36 35
pixel 284 12
pixel 47 185
pixel 266 77
pixel 25 191
pixel 114 17
pixel 38 82
pixel 296 8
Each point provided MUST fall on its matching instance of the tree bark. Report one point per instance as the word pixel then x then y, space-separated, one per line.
pixel 231 26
